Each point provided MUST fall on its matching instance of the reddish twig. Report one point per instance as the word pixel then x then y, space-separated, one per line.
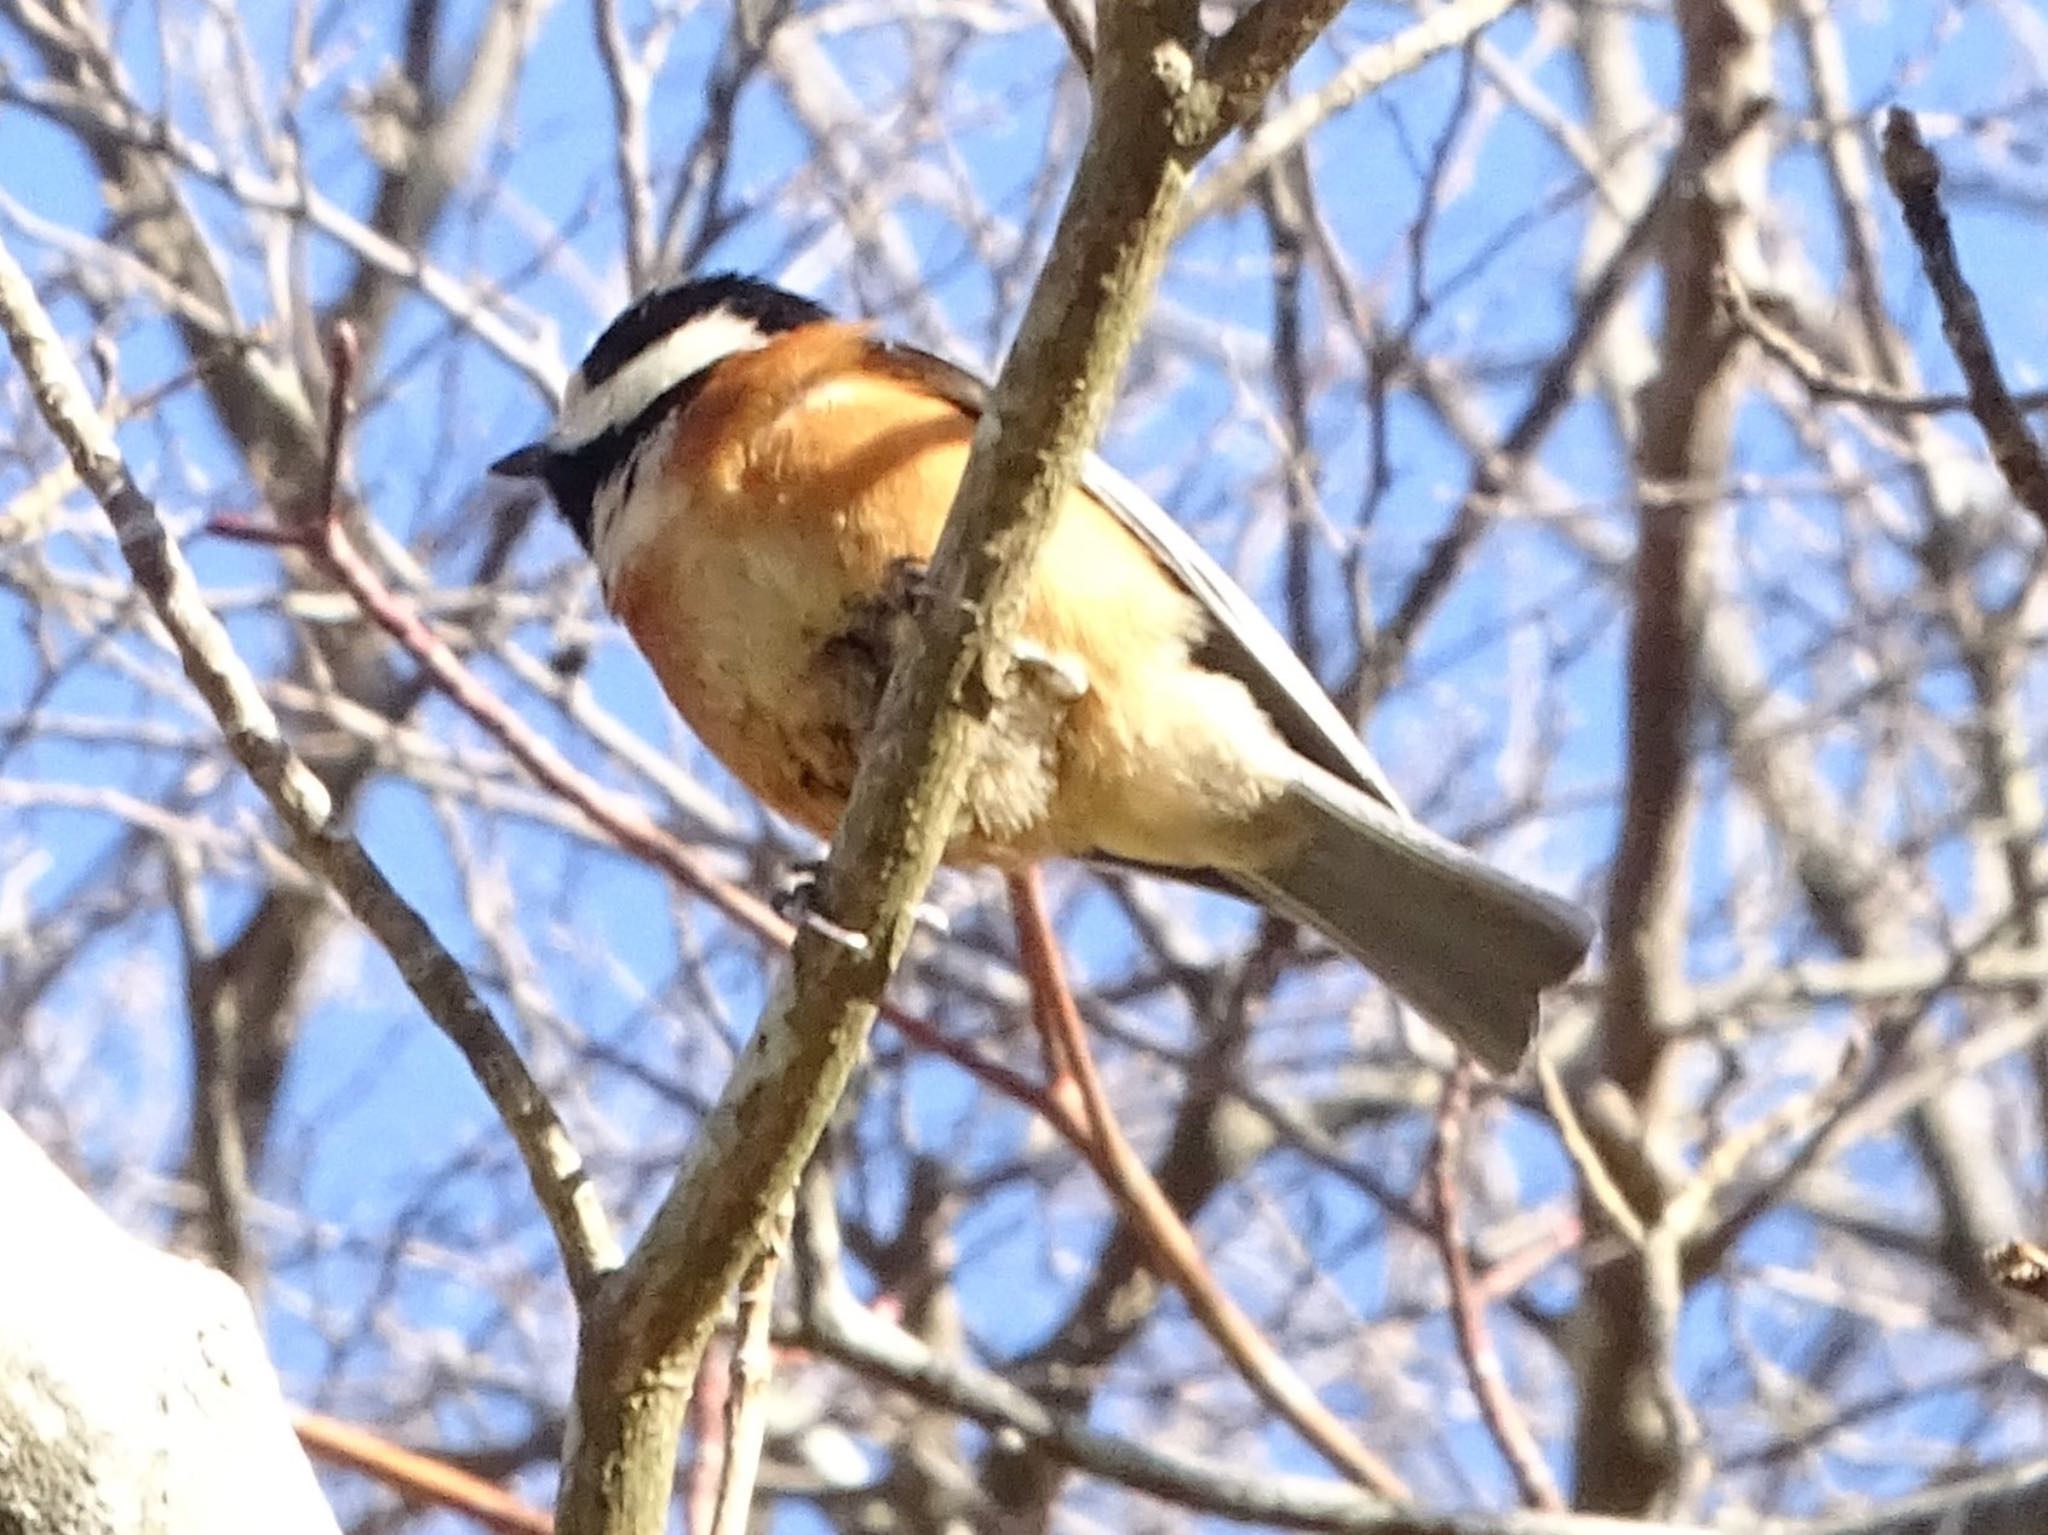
pixel 1915 178
pixel 1497 1406
pixel 729 1403
pixel 1095 1133
pixel 708 1403
pixel 344 358
pixel 619 820
pixel 1823 381
pixel 418 1479
pixel 1053 1013
pixel 1510 1273
pixel 623 823
pixel 1073 1104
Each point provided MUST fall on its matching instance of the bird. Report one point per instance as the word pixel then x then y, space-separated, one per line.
pixel 761 485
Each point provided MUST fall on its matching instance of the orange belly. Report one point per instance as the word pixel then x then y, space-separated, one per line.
pixel 756 600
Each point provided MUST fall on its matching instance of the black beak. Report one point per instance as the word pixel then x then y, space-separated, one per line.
pixel 527 463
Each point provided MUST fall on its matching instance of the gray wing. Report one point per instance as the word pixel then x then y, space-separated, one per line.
pixel 1241 642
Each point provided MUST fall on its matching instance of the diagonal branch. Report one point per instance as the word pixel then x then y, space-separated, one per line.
pixel 1262 45
pixel 421 1480
pixel 297 795
pixel 1130 1182
pixel 1484 1372
pixel 1153 111
pixel 1287 127
pixel 1915 177
pixel 835 1323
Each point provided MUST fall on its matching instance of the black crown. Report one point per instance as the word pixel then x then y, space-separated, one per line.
pixel 666 310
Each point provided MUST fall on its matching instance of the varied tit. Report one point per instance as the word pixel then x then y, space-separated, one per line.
pixel 759 486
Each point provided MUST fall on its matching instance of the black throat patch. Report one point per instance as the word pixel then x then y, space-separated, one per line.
pixel 575 476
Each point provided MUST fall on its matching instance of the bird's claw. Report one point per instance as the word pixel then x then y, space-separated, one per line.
pixel 794 899
pixel 794 889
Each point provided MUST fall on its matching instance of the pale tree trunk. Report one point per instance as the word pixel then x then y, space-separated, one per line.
pixel 135 1393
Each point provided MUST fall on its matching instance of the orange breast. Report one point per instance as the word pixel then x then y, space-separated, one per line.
pixel 812 479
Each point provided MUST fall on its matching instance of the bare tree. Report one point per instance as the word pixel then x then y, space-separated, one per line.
pixel 1566 380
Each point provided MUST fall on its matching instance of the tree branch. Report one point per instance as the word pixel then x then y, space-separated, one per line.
pixel 1498 1409
pixel 1153 114
pixel 1449 26
pixel 421 1480
pixel 1631 1448
pixel 836 1323
pixel 300 800
pixel 1915 178
pixel 1123 1172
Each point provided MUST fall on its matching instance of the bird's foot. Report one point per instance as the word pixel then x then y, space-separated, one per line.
pixel 794 899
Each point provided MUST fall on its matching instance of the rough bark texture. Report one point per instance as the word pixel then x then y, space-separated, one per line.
pixel 135 1393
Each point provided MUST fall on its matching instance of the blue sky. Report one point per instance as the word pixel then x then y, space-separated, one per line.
pixel 375 1100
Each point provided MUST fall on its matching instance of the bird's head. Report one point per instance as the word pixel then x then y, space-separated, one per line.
pixel 637 378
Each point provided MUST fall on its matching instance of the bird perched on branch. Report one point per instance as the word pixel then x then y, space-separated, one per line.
pixel 760 486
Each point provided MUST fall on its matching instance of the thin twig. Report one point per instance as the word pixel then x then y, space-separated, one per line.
pixel 746 1398
pixel 1496 475
pixel 1371 69
pixel 1914 175
pixel 554 1166
pixel 1594 1175
pixel 625 823
pixel 1663 1277
pixel 629 81
pixel 344 358
pixel 115 122
pixel 706 1421
pixel 421 1480
pixel 836 1324
pixel 1130 1182
pixel 1498 1408
pixel 1824 382
pixel 1794 1129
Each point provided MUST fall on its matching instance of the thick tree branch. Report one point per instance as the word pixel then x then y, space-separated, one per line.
pixel 1153 113
pixel 1632 1428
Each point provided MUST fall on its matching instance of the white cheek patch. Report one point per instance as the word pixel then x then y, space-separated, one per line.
pixel 588 413
pixel 631 506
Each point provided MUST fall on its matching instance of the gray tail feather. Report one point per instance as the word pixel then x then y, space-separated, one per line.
pixel 1467 945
